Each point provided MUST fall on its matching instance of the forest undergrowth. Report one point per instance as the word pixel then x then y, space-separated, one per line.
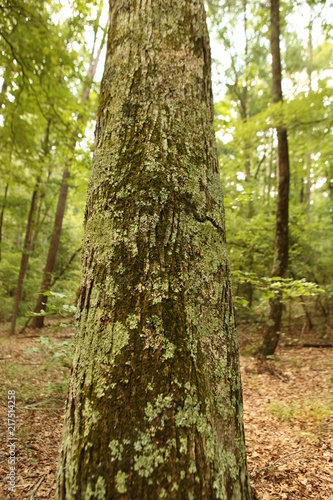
pixel 288 413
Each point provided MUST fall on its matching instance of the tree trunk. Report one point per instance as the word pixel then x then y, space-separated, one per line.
pixel 65 267
pixel 29 240
pixel 309 156
pixel 2 216
pixel 4 87
pixel 308 181
pixel 280 264
pixel 155 403
pixel 270 167
pixel 38 321
pixel 27 247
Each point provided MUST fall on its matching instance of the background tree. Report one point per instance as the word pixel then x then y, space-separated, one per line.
pixel 155 405
pixel 280 264
pixel 48 86
pixel 38 318
pixel 306 118
pixel 40 98
pixel 30 233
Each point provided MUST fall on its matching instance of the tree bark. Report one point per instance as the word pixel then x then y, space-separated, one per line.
pixel 155 404
pixel 280 264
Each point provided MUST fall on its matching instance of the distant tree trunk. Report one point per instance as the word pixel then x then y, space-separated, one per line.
pixel 29 239
pixel 2 216
pixel 280 264
pixel 308 182
pixel 309 156
pixel 27 247
pixel 244 111
pixel 270 167
pixel 155 404
pixel 65 267
pixel 38 321
pixel 4 87
pixel 301 193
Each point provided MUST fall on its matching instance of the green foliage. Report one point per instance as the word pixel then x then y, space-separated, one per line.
pixel 282 412
pixel 44 60
pixel 43 380
pixel 56 356
pixel 40 102
pixel 289 288
pixel 59 352
pixel 57 308
pixel 308 411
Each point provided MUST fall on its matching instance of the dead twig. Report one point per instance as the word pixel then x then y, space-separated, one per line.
pixel 304 496
pixel 32 494
pixel 324 479
pixel 280 459
pixel 324 346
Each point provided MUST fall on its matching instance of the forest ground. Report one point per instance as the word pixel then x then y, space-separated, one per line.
pixel 288 413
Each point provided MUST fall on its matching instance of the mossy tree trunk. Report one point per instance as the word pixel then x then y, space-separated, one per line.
pixel 155 402
pixel 280 264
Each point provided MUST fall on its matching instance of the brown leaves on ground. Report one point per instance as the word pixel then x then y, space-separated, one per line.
pixel 288 409
pixel 38 372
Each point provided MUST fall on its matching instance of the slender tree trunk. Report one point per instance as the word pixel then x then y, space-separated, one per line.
pixel 270 167
pixel 27 246
pixel 155 404
pixel 301 193
pixel 308 182
pixel 66 266
pixel 309 156
pixel 29 240
pixel 280 264
pixel 307 314
pixel 38 321
pixel 244 111
pixel 4 87
pixel 38 219
pixel 2 215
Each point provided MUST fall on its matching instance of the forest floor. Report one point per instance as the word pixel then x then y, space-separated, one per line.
pixel 288 413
